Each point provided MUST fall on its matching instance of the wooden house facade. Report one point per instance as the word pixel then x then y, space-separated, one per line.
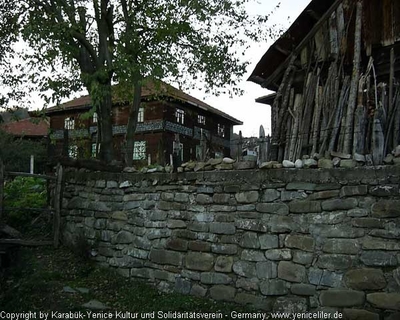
pixel 335 75
pixel 165 112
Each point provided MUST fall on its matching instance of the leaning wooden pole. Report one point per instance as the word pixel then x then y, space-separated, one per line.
pixel 57 206
pixel 348 137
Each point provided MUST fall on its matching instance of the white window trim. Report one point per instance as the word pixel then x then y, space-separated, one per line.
pixel 139 150
pixel 201 119
pixel 140 117
pixel 69 123
pixel 73 151
pixel 95 117
pixel 180 116
pixel 221 130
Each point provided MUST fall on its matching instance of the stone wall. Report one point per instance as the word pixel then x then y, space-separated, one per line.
pixel 282 240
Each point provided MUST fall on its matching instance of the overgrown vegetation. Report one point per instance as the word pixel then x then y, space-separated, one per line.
pixel 24 192
pixel 16 153
pixel 37 281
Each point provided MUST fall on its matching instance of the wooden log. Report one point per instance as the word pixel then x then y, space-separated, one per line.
pixel 333 34
pixel 348 136
pixel 1 188
pixel 336 118
pixel 316 119
pixel 396 129
pixel 288 130
pixel 297 113
pixel 10 231
pixel 378 140
pixel 57 206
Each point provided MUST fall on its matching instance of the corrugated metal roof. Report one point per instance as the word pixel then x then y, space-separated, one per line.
pixel 149 90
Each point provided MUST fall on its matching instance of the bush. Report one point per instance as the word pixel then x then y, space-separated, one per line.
pixel 23 192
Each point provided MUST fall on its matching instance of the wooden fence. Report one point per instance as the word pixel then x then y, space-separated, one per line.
pixel 55 210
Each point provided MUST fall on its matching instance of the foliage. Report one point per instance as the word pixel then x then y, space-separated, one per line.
pixel 16 153
pixel 24 192
pixel 95 43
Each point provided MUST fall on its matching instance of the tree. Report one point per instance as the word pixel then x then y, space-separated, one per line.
pixel 97 43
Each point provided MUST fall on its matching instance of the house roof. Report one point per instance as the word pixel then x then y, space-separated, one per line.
pixel 280 51
pixel 27 127
pixel 149 90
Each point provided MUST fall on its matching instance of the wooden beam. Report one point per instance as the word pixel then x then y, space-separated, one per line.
pixel 25 243
pixel 302 44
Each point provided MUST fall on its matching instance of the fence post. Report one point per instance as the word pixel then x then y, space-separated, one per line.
pixel 1 188
pixel 57 205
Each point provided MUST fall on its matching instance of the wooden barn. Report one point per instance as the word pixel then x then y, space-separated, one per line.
pixel 335 75
pixel 166 115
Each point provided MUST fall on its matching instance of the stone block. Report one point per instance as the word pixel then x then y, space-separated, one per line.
pixel 291 272
pixel 177 244
pixel 215 278
pixel 146 273
pixel 250 240
pixel 370 243
pixel 367 223
pixel 339 204
pixel 268 241
pixel 124 237
pixel 282 224
pixel 248 284
pixel 345 246
pixel 378 259
pixel 386 209
pixel 342 298
pixel 222 228
pixel 251 225
pixel 384 300
pixel 384 191
pixel 223 264
pixel 245 269
pixel 176 224
pixel 273 288
pixel 134 197
pixel 322 195
pixel 278 254
pixel 199 261
pixel 222 293
pixel 200 246
pixel 166 205
pixel 221 198
pixel 357 314
pixel 203 217
pixel 270 195
pixel 181 197
pixel 247 197
pixel 273 208
pixel 349 191
pixel 300 242
pixel 302 289
pixel 198 226
pixel 335 262
pixel 328 217
pixel 327 186
pixel 305 206
pixel 252 255
pixel 166 257
pixel 365 279
pixel 293 195
pixel 198 291
pixel 182 286
pixel 306 186
pixel 185 234
pixel 302 257
pixel 248 299
pixel 292 305
pixel 266 270
pixel 224 248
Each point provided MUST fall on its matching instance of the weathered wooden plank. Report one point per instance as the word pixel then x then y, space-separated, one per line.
pixel 378 141
pixel 316 119
pixel 297 114
pixel 1 188
pixel 341 30
pixel 360 121
pixel 387 30
pixel 348 136
pixel 333 36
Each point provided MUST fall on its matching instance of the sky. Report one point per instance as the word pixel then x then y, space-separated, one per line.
pixel 244 108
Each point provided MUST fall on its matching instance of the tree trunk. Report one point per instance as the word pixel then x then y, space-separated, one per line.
pixel 132 123
pixel 105 118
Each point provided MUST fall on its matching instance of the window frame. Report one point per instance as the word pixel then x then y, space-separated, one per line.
pixel 95 117
pixel 69 123
pixel 180 116
pixel 138 154
pixel 73 151
pixel 221 130
pixel 140 116
pixel 201 119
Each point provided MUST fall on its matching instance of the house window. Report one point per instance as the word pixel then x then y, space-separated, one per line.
pixel 221 130
pixel 201 119
pixel 69 123
pixel 139 150
pixel 94 149
pixel 180 116
pixel 95 117
pixel 140 116
pixel 73 151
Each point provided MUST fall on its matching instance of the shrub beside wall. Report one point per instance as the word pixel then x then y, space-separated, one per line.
pixel 283 240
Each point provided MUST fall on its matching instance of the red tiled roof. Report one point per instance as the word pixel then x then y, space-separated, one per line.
pixel 149 90
pixel 27 127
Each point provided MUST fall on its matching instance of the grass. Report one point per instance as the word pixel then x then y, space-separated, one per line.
pixel 38 276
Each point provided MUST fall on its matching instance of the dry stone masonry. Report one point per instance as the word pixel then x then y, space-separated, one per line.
pixel 283 240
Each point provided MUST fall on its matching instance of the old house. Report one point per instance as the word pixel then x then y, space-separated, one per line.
pixel 166 115
pixel 335 76
pixel 28 128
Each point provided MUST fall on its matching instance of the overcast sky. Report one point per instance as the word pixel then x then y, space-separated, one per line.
pixel 245 108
